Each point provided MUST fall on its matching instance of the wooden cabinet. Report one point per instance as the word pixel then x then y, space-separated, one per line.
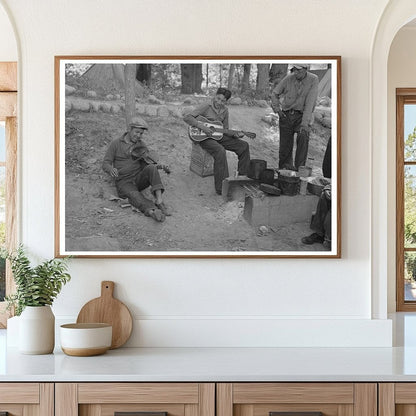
pixel 27 399
pixel 208 399
pixel 397 399
pixel 105 399
pixel 332 399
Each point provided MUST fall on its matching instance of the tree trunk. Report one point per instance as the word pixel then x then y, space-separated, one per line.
pixel 277 73
pixel 191 76
pixel 144 74
pixel 207 78
pixel 245 83
pixel 262 87
pixel 231 76
pixel 129 84
pixel 198 79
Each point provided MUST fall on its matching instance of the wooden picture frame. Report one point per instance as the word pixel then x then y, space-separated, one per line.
pixel 95 100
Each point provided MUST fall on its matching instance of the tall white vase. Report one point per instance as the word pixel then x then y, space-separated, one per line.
pixel 37 330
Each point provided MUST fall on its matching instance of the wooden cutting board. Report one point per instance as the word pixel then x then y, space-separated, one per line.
pixel 109 310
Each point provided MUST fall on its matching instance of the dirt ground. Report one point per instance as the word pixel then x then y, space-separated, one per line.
pixel 201 220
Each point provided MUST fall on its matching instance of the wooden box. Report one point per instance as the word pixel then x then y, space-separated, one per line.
pixel 202 163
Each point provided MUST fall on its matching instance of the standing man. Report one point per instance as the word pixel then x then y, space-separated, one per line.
pixel 213 111
pixel 129 162
pixel 294 99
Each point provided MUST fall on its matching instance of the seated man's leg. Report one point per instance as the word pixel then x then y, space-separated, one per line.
pixel 319 221
pixel 128 189
pixel 217 151
pixel 150 176
pixel 241 149
pixel 328 230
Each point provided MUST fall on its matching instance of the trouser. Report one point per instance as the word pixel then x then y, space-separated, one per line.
pixel 217 148
pixel 321 221
pixel 130 188
pixel 326 163
pixel 288 126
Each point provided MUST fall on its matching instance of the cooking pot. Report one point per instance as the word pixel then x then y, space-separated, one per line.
pixel 267 176
pixel 256 167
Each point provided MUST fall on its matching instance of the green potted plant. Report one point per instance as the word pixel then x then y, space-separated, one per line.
pixel 36 289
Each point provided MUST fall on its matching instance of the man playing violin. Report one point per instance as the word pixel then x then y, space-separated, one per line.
pixel 130 163
pixel 216 111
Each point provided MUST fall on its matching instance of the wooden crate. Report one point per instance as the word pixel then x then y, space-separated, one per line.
pixel 202 163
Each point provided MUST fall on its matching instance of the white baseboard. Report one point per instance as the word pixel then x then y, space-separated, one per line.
pixel 255 332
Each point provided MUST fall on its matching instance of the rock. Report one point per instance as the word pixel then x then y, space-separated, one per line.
pixel 115 109
pixel 94 106
pixel 109 97
pixel 69 90
pixel 151 110
pixel 235 101
pixel 153 100
pixel 81 105
pixel 117 96
pixel 163 111
pixel 189 101
pixel 176 112
pixel 263 230
pixel 91 94
pixel 262 103
pixel 105 107
pixel 272 119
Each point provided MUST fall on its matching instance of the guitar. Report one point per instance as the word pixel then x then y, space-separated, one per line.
pixel 217 129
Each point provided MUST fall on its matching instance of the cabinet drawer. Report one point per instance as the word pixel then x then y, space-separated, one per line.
pixel 397 399
pixel 268 399
pixel 107 399
pixel 21 399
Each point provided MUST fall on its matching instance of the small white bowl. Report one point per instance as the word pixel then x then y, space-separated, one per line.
pixel 83 340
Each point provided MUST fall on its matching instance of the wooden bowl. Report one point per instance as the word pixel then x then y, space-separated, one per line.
pixel 84 340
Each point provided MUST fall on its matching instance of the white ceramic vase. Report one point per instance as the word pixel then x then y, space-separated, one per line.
pixel 37 330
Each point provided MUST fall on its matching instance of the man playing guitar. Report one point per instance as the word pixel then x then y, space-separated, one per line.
pixel 216 111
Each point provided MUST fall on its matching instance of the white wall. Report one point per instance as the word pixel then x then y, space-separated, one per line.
pixel 401 74
pixel 8 46
pixel 203 302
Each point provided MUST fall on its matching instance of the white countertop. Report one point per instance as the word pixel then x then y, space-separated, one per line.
pixel 215 364
pixel 221 364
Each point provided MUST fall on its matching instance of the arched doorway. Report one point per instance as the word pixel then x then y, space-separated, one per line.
pixel 396 15
pixel 8 150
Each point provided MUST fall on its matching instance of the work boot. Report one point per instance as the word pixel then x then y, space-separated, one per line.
pixel 327 244
pixel 166 209
pixel 313 238
pixel 156 214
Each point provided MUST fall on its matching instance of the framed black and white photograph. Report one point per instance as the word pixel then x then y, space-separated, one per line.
pixel 198 156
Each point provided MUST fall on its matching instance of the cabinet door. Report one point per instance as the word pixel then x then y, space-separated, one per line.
pixel 26 399
pixel 397 399
pixel 143 399
pixel 297 399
